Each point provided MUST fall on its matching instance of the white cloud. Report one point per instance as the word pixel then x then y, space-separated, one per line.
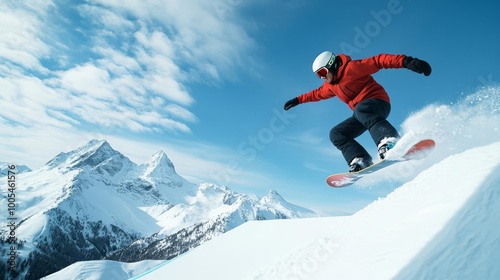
pixel 117 62
pixel 20 42
pixel 25 99
pixel 207 34
pixel 89 80
pixel 140 55
pixel 105 18
pixel 180 113
pixel 156 42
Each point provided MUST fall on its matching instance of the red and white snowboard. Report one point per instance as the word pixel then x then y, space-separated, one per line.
pixel 418 151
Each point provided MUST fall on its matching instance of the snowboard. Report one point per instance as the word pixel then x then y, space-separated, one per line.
pixel 419 150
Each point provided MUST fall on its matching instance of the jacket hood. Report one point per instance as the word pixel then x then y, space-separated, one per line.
pixel 344 59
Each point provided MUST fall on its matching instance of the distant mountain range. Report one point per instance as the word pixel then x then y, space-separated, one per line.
pixel 94 203
pixel 4 168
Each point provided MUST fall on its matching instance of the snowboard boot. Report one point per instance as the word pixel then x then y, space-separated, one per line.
pixel 358 164
pixel 385 145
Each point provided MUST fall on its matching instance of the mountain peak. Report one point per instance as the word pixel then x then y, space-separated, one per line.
pixel 159 165
pixel 94 143
pixel 91 154
pixel 161 158
pixel 273 197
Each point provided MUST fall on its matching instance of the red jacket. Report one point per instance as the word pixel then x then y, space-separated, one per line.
pixel 353 82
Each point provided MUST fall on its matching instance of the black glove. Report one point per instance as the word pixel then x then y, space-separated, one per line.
pixel 417 65
pixel 291 103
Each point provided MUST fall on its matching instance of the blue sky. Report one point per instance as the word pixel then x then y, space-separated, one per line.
pixel 205 81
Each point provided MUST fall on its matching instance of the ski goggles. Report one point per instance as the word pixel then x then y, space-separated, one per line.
pixel 322 72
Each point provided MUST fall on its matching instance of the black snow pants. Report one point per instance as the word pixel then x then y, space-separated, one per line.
pixel 368 115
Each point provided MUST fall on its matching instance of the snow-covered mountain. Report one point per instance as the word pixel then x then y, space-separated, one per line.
pixel 187 225
pixel 440 224
pixel 94 202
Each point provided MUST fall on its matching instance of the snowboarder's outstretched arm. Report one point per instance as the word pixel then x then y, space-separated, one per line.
pixel 373 64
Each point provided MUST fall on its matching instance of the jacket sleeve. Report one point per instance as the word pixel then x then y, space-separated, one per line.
pixel 373 64
pixel 314 95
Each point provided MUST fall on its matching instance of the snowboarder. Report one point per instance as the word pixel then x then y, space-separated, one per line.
pixel 351 81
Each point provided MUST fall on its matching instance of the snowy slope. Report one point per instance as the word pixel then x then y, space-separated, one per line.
pixel 441 225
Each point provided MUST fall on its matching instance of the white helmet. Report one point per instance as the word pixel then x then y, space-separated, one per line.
pixel 324 59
